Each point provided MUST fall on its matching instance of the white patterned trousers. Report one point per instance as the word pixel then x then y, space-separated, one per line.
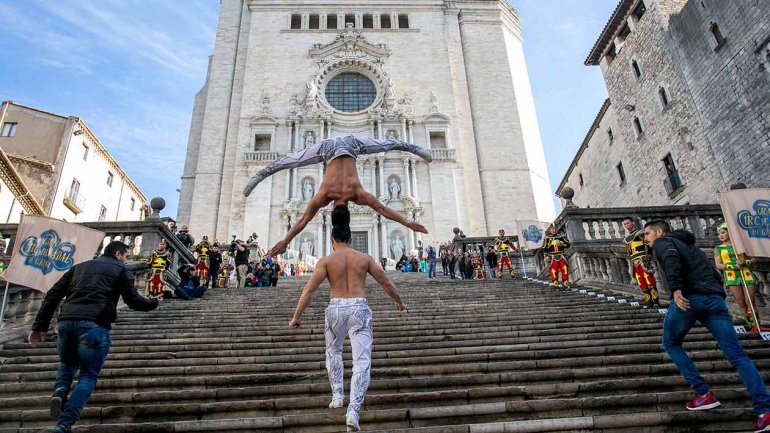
pixel 351 317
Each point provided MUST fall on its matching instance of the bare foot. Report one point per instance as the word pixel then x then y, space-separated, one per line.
pixel 418 228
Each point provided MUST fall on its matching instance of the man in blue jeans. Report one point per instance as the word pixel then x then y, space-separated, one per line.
pixel 92 290
pixel 431 262
pixel 698 295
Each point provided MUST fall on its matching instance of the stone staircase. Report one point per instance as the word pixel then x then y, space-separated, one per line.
pixel 468 356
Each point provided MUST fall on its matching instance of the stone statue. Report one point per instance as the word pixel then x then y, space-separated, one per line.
pixel 391 135
pixel 433 103
pixel 395 189
pixel 306 248
pixel 309 139
pixel 312 89
pixel 307 189
pixel 397 245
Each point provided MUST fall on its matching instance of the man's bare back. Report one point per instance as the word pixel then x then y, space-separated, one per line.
pixel 341 185
pixel 346 270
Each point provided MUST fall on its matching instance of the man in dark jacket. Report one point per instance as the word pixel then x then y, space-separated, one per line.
pixel 92 290
pixel 184 236
pixel 215 262
pixel 698 294
pixel 189 283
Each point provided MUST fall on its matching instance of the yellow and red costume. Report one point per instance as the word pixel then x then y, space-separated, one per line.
pixel 202 268
pixel 503 246
pixel 159 261
pixel 641 261
pixel 478 267
pixel 554 248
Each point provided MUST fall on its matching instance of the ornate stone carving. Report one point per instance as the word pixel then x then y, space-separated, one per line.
pixel 433 107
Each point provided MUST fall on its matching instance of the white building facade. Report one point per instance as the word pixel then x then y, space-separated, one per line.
pixel 448 76
pixel 65 167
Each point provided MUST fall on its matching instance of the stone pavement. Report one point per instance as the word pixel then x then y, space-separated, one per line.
pixel 468 356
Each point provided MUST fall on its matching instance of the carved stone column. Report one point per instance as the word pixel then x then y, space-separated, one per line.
pixel 294 182
pixel 290 136
pixel 385 242
pixel 403 130
pixel 415 182
pixel 379 130
pixel 373 183
pixel 381 168
pixel 319 238
pixel 328 225
pixel 375 236
pixel 407 183
pixel 411 131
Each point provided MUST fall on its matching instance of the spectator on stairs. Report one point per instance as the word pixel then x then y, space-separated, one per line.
pixel 189 286
pixel 698 295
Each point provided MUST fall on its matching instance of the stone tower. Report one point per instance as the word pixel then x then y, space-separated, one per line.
pixel 447 75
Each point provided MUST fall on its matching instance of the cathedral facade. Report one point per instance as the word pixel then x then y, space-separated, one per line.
pixel 447 75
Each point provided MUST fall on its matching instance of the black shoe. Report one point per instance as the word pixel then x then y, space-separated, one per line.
pixel 57 402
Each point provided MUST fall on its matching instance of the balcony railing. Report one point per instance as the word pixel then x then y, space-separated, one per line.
pixel 598 258
pixel 260 156
pixel 142 237
pixel 74 201
pixel 443 154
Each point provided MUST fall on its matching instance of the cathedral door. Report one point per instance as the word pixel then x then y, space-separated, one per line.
pixel 360 242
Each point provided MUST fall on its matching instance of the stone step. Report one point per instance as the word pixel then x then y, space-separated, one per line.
pixel 490 356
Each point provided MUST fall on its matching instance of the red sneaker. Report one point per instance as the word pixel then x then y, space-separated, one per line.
pixel 706 402
pixel 763 423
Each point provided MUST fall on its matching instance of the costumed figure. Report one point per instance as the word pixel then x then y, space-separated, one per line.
pixel 503 247
pixel 159 261
pixel 738 277
pixel 202 268
pixel 554 245
pixel 223 277
pixel 641 261
pixel 340 183
pixel 478 267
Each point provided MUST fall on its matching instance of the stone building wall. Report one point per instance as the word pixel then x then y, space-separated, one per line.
pixel 729 83
pixel 715 126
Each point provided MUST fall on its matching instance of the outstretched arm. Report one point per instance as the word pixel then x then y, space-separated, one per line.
pixel 318 275
pixel 376 271
pixel 366 198
pixel 317 202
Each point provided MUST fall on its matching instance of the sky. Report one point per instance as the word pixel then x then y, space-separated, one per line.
pixel 130 69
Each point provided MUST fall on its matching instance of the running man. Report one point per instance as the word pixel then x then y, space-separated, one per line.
pixel 340 183
pixel 348 313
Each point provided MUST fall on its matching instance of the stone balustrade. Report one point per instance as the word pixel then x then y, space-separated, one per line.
pixel 260 156
pixel 598 259
pixel 142 237
pixel 524 261
pixel 443 154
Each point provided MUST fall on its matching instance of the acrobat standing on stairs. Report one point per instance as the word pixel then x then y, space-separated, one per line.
pixel 554 245
pixel 641 260
pixel 503 246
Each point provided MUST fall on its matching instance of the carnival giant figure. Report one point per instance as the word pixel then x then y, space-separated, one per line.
pixel 641 261
pixel 158 262
pixel 503 246
pixel 738 277
pixel 554 245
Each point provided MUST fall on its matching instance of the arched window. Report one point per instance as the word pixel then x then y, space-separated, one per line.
pixel 350 92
